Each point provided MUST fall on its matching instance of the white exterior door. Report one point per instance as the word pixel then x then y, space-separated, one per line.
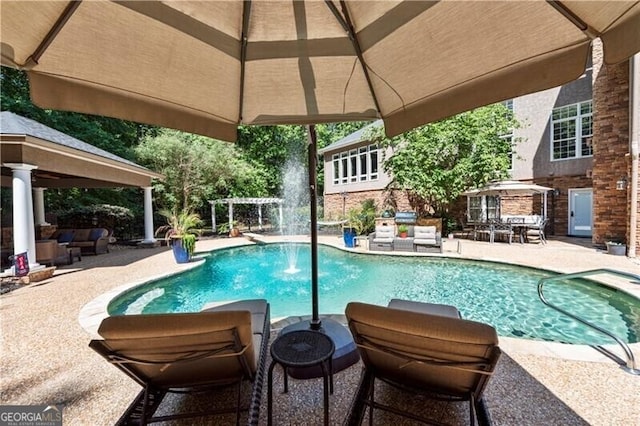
pixel 581 212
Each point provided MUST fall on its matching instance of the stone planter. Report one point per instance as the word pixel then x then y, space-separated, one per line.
pixel 617 249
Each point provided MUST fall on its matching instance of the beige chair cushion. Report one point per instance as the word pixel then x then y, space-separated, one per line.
pixel 421 337
pixel 426 308
pixel 384 234
pixel 257 307
pixel 425 235
pixel 171 337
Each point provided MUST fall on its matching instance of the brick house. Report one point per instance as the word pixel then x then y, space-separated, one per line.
pixel 575 139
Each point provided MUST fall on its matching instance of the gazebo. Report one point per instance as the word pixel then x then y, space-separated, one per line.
pixel 36 157
pixel 255 201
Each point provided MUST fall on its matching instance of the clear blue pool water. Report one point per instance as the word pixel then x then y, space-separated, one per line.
pixel 502 295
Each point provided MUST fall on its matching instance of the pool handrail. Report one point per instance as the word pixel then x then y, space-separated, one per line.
pixel 630 364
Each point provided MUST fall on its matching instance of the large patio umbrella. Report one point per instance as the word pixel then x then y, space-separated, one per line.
pixel 511 188
pixel 206 67
pixel 508 188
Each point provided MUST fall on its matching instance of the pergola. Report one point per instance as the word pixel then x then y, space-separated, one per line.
pixel 36 157
pixel 255 201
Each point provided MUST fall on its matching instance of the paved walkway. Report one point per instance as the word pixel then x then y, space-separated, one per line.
pixel 45 358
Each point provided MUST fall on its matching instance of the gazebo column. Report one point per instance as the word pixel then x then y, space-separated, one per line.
pixel 23 224
pixel 280 218
pixel 230 216
pixel 260 217
pixel 213 217
pixel 148 217
pixel 38 206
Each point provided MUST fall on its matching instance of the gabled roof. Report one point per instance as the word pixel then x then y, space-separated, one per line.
pixel 14 124
pixel 352 139
pixel 62 161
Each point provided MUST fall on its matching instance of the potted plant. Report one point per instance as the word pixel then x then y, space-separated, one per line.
pixel 360 221
pixel 180 233
pixel 233 231
pixel 403 231
pixel 616 248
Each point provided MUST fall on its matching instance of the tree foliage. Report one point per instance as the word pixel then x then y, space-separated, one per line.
pixel 273 146
pixel 435 163
pixel 198 169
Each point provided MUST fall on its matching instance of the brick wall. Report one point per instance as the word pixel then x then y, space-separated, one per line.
pixel 333 203
pixel 610 149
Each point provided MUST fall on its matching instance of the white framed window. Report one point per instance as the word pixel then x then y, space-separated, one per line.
pixel 356 165
pixel 571 131
pixel 482 208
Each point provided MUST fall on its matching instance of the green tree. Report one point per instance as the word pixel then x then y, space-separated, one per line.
pixel 272 146
pixel 198 169
pixel 435 163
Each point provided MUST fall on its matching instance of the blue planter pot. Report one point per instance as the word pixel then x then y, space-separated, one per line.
pixel 349 235
pixel 180 253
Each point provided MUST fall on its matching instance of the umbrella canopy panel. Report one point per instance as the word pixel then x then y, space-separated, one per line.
pixel 206 67
pixel 508 187
pixel 512 188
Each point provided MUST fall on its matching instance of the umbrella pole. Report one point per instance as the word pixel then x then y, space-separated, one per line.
pixel 316 324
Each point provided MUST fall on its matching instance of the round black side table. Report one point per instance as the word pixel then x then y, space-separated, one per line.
pixel 301 349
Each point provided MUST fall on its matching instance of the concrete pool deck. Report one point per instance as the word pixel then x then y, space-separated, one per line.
pixel 45 358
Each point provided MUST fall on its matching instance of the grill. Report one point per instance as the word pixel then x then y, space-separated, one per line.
pixel 408 218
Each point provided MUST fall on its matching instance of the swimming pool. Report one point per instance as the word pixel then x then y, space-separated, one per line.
pixel 502 295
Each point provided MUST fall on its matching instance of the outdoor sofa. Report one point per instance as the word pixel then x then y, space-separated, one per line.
pixel 89 240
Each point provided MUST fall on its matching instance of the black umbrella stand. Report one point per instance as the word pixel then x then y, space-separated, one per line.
pixel 346 353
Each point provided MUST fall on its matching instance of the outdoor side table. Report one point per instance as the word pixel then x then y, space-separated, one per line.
pixel 74 252
pixel 302 349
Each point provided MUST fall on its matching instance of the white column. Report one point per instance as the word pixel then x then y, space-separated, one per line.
pixel 24 235
pixel 213 217
pixel 148 217
pixel 280 218
pixel 260 217
pixel 230 216
pixel 38 206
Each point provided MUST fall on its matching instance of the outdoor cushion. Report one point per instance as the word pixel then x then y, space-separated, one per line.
pixel 65 237
pixel 257 307
pixel 426 308
pixel 384 234
pixel 81 235
pixel 425 235
pixel 96 233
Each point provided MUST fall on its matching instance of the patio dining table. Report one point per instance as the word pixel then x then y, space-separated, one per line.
pixel 514 227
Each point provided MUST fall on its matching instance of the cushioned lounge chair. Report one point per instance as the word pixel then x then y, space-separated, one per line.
pixel 421 348
pixel 427 239
pixel 189 352
pixel 382 238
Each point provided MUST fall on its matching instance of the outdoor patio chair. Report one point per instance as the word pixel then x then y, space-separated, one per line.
pixel 421 348
pixel 501 229
pixel 537 231
pixel 382 238
pixel 189 352
pixel 426 238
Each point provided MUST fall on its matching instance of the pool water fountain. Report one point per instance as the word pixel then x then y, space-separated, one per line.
pixel 296 196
